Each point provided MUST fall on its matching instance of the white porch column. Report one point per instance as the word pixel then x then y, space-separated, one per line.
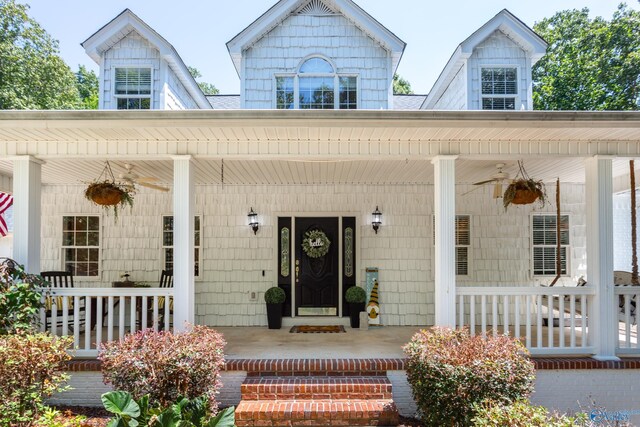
pixel 183 241
pixel 26 212
pixel 444 202
pixel 599 213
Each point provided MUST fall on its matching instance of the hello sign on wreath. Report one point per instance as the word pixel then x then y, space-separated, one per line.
pixel 315 243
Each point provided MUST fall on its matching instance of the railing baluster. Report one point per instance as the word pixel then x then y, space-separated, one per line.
pixel 516 310
pixel 505 307
pixel 494 307
pixel 156 317
pixel 98 322
pixel 550 321
pixel 572 320
pixel 133 320
pixel 585 318
pixel 121 321
pixel 627 321
pixel 143 322
pixel 472 314
pixel 460 311
pixel 539 324
pixel 528 313
pixel 87 323
pixel 54 316
pixel 76 321
pixel 168 301
pixel 65 316
pixel 110 303
pixel 483 313
pixel 561 321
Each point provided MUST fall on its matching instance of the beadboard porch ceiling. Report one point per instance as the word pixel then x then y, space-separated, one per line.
pixel 316 147
pixel 284 172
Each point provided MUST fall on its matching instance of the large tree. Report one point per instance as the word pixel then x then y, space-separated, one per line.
pixel 87 84
pixel 207 88
pixel 401 86
pixel 32 73
pixel 591 64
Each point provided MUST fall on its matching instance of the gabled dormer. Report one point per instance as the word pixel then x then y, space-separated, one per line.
pixel 139 69
pixel 490 70
pixel 316 54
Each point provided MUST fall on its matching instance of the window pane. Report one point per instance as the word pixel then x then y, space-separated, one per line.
pixel 316 93
pixel 81 223
pixel 133 81
pixel 284 93
pixel 94 223
pixel 316 65
pixel 167 239
pixel 82 255
pixel 93 254
pixel 67 223
pixel 93 238
pixel 348 93
pixel 77 258
pixel 498 103
pixel 167 223
pixel 499 81
pixel 81 238
pixel 462 261
pixel 68 238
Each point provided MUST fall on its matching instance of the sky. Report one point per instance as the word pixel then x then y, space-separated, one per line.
pixel 200 29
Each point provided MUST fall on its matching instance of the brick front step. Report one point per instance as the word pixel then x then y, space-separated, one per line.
pixel 306 388
pixel 337 412
pixel 314 367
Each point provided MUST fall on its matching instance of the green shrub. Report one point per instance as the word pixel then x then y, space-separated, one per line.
pixel 20 301
pixel 356 294
pixel 451 372
pixel 31 370
pixel 523 414
pixel 184 412
pixel 165 365
pixel 274 295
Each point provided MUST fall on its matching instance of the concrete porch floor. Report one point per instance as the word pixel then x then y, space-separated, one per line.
pixel 261 343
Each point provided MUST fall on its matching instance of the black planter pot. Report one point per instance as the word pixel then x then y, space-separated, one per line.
pixel 354 313
pixel 274 315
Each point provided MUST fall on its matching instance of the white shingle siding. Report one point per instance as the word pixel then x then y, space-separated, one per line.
pixel 498 50
pixel 233 258
pixel 131 51
pixel 176 96
pixel 455 95
pixel 298 36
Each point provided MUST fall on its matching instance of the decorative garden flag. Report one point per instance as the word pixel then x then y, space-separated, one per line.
pixel 6 200
pixel 373 309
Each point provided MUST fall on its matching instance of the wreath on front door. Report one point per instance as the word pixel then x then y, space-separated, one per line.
pixel 315 243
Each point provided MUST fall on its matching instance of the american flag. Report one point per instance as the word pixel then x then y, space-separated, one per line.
pixel 6 200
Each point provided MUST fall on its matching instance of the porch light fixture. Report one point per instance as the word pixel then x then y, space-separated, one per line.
pixel 377 220
pixel 253 221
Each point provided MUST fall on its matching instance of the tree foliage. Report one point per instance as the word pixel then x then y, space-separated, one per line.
pixel 401 86
pixel 207 88
pixel 87 83
pixel 591 64
pixel 32 73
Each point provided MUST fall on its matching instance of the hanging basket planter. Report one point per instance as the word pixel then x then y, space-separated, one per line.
pixel 106 192
pixel 524 190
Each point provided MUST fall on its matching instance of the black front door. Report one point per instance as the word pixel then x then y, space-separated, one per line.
pixel 316 276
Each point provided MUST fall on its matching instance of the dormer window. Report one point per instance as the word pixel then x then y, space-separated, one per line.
pixel 499 88
pixel 316 86
pixel 133 88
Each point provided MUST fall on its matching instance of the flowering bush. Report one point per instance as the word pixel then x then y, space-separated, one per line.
pixel 166 366
pixel 19 298
pixel 523 414
pixel 451 373
pixel 31 369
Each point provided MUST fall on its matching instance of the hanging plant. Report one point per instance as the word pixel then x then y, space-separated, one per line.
pixel 106 192
pixel 315 243
pixel 524 190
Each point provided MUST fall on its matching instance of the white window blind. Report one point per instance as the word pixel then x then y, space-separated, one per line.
pixel 544 241
pixel 133 88
pixel 463 243
pixel 498 87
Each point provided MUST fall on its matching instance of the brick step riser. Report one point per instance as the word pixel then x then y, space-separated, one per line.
pixel 317 374
pixel 316 413
pixel 316 392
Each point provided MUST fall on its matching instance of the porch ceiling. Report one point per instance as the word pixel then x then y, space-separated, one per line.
pixel 316 147
pixel 282 172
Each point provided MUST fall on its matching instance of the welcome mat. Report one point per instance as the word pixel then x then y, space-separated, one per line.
pixel 311 329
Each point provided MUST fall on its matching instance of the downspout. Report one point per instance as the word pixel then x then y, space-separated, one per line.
pixel 634 239
pixel 558 245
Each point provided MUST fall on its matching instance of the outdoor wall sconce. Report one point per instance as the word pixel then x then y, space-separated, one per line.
pixel 253 221
pixel 377 220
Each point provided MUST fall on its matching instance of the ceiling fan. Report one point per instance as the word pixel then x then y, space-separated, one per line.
pixel 498 178
pixel 132 178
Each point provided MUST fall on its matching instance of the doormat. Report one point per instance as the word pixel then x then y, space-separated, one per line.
pixel 311 329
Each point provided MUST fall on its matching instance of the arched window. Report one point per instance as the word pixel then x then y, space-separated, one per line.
pixel 317 86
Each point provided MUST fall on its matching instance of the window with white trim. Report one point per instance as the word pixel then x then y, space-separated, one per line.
pixel 462 241
pixel 167 243
pixel 499 88
pixel 317 86
pixel 133 88
pixel 81 245
pixel 544 241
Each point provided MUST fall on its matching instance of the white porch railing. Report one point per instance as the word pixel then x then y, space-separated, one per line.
pixel 627 326
pixel 97 315
pixel 549 320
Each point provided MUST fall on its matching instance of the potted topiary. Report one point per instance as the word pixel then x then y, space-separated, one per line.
pixel 356 297
pixel 274 297
pixel 524 190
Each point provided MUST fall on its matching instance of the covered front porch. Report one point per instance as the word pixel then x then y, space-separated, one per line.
pixel 418 167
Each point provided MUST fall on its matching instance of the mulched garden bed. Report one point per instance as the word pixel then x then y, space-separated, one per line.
pixel 98 417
